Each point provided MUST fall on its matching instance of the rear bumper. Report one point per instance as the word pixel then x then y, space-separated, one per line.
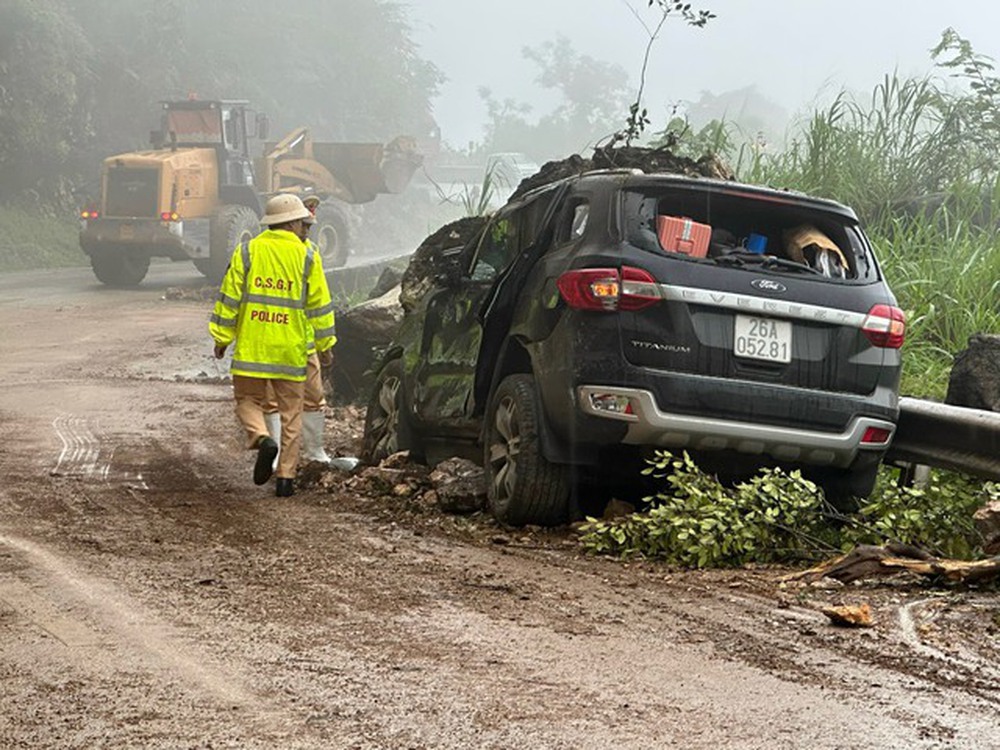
pixel 648 425
pixel 171 239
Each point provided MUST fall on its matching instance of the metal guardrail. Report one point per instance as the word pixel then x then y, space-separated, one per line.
pixel 353 281
pixel 947 437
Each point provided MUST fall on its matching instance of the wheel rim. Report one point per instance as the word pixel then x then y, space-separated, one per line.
pixel 505 449
pixel 328 243
pixel 385 425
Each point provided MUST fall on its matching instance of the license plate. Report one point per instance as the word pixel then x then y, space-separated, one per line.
pixel 763 338
pixel 127 232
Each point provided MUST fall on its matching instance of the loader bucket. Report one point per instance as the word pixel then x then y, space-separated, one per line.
pixel 369 169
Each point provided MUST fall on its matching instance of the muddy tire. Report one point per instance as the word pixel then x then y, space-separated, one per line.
pixel 845 489
pixel 230 227
pixel 387 429
pixel 334 233
pixel 522 486
pixel 119 268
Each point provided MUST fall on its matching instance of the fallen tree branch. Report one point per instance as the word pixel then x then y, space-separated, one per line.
pixel 867 561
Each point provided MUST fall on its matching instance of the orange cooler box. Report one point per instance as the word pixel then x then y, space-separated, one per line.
pixel 680 235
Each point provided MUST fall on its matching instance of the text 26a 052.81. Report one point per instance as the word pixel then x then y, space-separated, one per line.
pixel 762 338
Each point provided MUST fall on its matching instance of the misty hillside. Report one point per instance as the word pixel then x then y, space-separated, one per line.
pixel 81 78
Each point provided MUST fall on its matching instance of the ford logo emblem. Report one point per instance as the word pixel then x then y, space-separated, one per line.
pixel 767 285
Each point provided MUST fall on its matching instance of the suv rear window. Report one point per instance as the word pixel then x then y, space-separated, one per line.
pixel 789 230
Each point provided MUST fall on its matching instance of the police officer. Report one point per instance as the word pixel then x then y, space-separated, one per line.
pixel 313 421
pixel 273 297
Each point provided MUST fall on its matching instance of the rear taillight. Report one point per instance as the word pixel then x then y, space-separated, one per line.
pixel 876 436
pixel 639 289
pixel 885 326
pixel 608 290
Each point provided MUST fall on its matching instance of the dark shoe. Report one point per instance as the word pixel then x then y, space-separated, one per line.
pixel 284 488
pixel 267 449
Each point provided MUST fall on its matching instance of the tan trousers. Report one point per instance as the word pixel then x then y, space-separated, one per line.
pixel 251 400
pixel 314 399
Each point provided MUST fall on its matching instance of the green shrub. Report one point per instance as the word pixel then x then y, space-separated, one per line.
pixel 779 516
pixel 699 523
pixel 936 517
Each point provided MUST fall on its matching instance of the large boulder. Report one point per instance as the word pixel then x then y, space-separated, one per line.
pixel 430 262
pixel 364 332
pixel 648 160
pixel 975 376
pixel 987 520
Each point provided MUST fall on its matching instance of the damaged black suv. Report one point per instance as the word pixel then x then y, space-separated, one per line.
pixel 606 314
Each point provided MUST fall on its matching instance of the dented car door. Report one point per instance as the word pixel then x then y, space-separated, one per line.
pixel 452 333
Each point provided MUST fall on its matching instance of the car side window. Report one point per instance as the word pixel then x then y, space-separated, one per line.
pixel 573 220
pixel 533 215
pixel 496 250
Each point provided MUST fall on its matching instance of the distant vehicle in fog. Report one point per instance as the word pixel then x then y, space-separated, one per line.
pixel 463 183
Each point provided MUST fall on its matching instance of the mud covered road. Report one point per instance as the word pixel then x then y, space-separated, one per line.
pixel 151 596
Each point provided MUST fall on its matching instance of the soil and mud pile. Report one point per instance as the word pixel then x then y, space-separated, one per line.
pixel 648 160
pixel 428 262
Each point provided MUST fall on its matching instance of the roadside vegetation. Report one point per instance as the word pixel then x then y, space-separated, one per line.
pixel 35 239
pixel 777 516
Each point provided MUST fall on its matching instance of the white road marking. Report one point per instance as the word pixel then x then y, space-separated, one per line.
pixel 83 455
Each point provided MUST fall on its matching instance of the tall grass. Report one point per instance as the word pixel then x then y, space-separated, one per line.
pixel 945 272
pixel 905 141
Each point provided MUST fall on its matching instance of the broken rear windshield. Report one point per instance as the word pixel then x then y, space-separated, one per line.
pixel 747 231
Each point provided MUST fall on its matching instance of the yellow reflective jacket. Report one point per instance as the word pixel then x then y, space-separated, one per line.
pixel 273 299
pixel 311 346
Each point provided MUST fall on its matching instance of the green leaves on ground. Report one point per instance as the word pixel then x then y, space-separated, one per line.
pixel 697 522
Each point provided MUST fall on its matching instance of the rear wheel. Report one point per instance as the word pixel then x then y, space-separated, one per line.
pixel 334 233
pixel 522 486
pixel 232 226
pixel 845 489
pixel 119 268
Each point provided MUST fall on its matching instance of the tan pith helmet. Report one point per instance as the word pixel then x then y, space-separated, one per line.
pixel 283 208
pixel 311 202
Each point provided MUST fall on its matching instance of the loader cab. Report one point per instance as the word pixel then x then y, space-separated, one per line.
pixel 218 124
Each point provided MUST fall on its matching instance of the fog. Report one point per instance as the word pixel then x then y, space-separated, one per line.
pixel 76 88
pixel 795 53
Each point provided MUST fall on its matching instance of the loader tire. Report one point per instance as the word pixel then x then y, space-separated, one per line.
pixel 334 232
pixel 232 226
pixel 119 268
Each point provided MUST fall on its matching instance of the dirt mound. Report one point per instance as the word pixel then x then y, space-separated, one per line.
pixel 427 263
pixel 648 160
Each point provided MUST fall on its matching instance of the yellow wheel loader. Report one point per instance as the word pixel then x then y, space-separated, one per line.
pixel 198 192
